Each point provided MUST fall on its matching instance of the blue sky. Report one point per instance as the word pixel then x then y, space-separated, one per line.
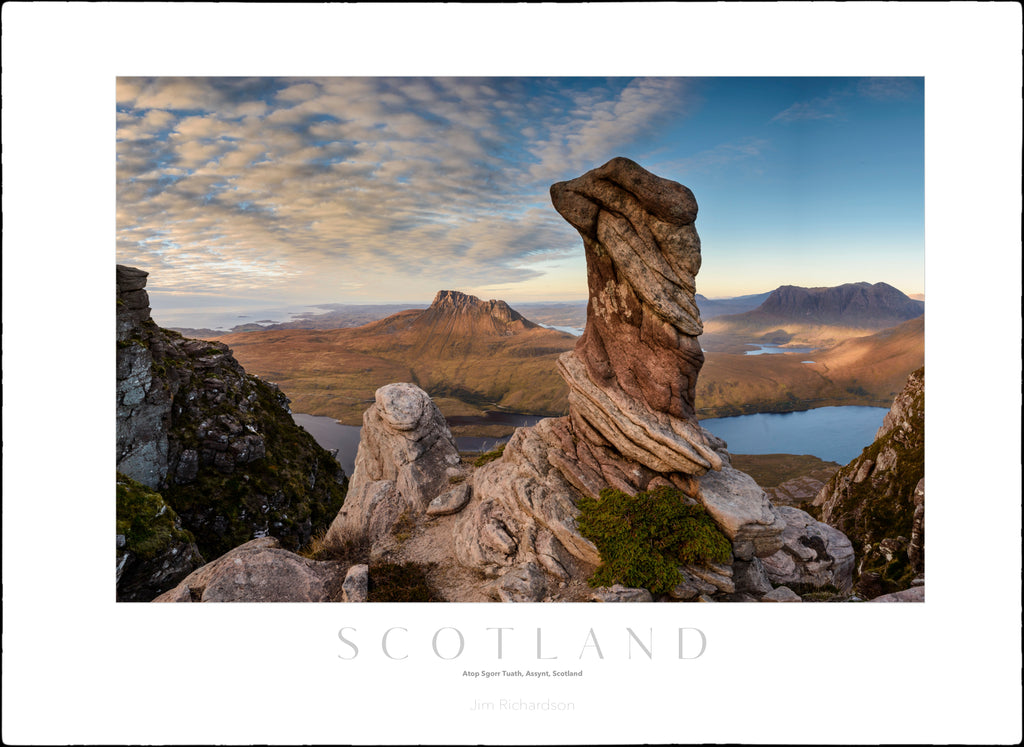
pixel 238 191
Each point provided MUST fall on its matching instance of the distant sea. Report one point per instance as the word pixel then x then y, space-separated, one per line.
pixel 226 317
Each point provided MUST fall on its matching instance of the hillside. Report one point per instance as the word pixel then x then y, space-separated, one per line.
pixel 470 355
pixel 711 308
pixel 868 370
pixel 814 316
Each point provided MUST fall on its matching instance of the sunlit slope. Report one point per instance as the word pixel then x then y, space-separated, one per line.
pixel 470 355
pixel 867 370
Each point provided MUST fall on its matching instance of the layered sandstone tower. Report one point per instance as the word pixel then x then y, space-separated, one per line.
pixel 633 374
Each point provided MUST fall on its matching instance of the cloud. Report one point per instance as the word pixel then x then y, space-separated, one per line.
pixel 819 108
pixel 256 185
pixel 886 89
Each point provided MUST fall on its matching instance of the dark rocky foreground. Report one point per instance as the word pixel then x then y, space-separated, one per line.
pixel 215 446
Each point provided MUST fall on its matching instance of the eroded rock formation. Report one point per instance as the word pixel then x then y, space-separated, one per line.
pixel 633 374
pixel 631 423
pixel 406 459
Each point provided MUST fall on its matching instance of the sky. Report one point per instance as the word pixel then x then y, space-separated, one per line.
pixel 238 192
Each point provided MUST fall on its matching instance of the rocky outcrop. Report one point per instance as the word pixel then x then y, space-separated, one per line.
pixel 260 571
pixel 813 554
pixel 877 500
pixel 219 445
pixel 406 459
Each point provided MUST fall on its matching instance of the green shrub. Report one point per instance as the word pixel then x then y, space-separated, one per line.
pixel 644 538
pixel 490 456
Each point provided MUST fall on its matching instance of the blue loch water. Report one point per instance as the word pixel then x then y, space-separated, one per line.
pixel 835 434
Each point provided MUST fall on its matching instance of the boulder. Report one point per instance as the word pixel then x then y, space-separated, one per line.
pixel 450 502
pixel 913 594
pixel 260 571
pixel 812 553
pixel 781 594
pixel 620 593
pixel 356 586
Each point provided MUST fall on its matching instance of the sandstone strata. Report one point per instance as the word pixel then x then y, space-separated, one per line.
pixel 633 374
pixel 630 426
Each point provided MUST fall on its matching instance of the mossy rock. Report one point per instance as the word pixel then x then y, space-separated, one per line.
pixel 643 539
pixel 150 527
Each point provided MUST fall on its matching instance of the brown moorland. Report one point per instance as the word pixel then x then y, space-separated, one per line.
pixel 469 355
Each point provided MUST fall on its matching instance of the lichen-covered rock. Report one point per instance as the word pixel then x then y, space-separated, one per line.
pixel 260 571
pixel 356 586
pixel 813 553
pixel 620 593
pixel 154 552
pixel 406 457
pixel 220 445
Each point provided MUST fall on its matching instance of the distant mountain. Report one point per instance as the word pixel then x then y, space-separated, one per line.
pixel 470 355
pixel 851 305
pixel 714 307
pixel 818 316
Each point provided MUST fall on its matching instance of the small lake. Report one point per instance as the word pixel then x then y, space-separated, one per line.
pixel 835 434
pixel 332 435
pixel 773 349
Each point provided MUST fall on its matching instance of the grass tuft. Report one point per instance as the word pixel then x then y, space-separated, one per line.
pixel 643 539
